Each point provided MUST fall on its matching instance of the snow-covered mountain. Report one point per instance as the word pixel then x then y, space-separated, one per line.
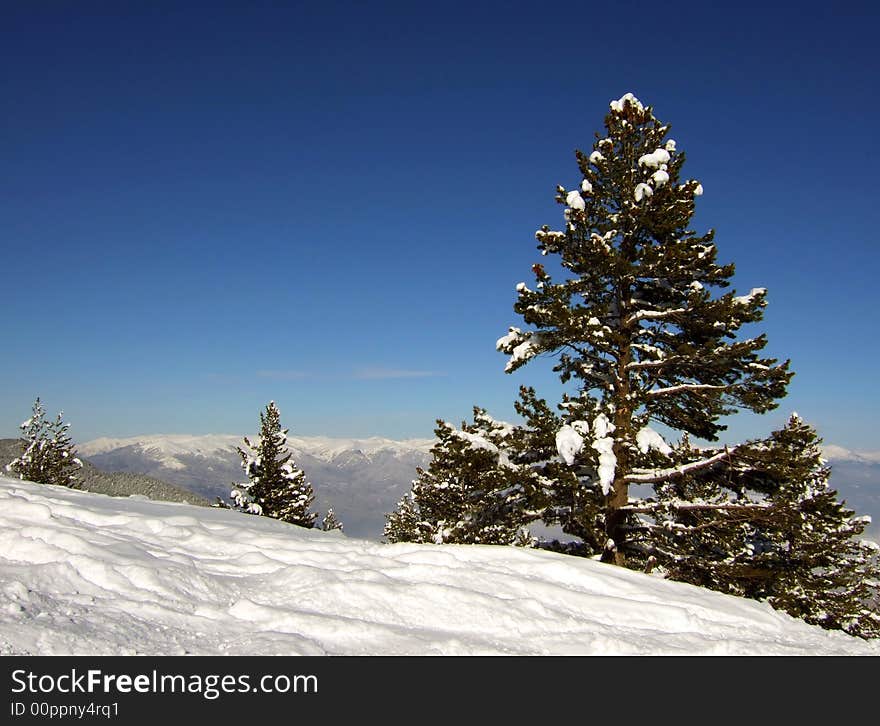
pixel 362 479
pixel 87 574
pixel 856 476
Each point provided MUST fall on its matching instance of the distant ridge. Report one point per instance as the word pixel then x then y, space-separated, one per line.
pixel 114 484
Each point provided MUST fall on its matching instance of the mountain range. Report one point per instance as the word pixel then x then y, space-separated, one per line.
pixel 361 479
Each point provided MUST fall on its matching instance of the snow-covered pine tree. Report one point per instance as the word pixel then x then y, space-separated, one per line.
pixel 635 324
pixel 330 521
pixel 48 456
pixel 275 487
pixel 790 541
pixel 402 525
pixel 471 492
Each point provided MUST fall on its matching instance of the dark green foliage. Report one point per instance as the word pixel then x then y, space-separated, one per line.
pixel 471 492
pixel 48 455
pixel 275 487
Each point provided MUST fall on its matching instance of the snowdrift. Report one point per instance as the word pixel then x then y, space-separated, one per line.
pixel 87 574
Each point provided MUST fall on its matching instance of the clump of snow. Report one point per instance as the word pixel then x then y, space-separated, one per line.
pixel 660 177
pixel 670 145
pixel 604 446
pixel 596 157
pixel 647 439
pixel 513 334
pixel 698 191
pixel 655 160
pixel 86 574
pixel 575 201
pixel 753 293
pixel 569 443
pixel 619 105
pixel 642 190
pixel 586 187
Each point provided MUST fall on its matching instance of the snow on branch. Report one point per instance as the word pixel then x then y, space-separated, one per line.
pixel 663 474
pixel 684 387
pixel 653 315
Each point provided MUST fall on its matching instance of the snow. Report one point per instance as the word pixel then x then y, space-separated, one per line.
pixel 647 439
pixel 569 444
pixel 586 187
pixel 833 452
pixel 642 190
pixel 604 446
pixel 670 145
pixel 86 574
pixel 660 177
pixel 618 105
pixel 698 191
pixel 596 157
pixel 753 293
pixel 655 160
pixel 171 449
pixel 575 201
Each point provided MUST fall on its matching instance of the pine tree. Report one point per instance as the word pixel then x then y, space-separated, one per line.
pixel 330 522
pixel 635 325
pixel 402 525
pixel 275 487
pixel 48 456
pixel 795 545
pixel 471 493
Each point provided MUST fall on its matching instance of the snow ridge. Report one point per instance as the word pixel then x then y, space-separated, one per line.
pixel 87 574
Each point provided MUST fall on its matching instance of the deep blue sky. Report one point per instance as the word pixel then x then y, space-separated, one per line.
pixel 205 207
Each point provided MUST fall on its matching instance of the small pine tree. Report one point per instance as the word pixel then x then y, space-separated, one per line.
pixel 471 493
pixel 275 487
pixel 330 522
pixel 402 525
pixel 48 455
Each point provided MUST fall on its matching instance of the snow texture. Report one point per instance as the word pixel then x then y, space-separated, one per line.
pixel 586 187
pixel 648 439
pixel 569 444
pixel 655 160
pixel 86 574
pixel 575 201
pixel 604 446
pixel 698 191
pixel 642 191
pixel 753 293
pixel 618 105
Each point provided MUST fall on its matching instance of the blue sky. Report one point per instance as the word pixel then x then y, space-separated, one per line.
pixel 329 205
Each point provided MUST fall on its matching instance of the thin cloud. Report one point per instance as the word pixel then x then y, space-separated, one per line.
pixel 284 375
pixel 381 374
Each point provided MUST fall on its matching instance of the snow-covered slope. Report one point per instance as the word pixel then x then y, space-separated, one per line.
pixel 82 573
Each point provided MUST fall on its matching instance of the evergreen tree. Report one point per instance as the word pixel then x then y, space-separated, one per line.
pixel 789 540
pixel 275 487
pixel 402 525
pixel 330 522
pixel 634 323
pixel 471 493
pixel 48 455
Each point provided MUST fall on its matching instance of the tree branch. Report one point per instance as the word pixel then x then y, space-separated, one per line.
pixel 675 473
